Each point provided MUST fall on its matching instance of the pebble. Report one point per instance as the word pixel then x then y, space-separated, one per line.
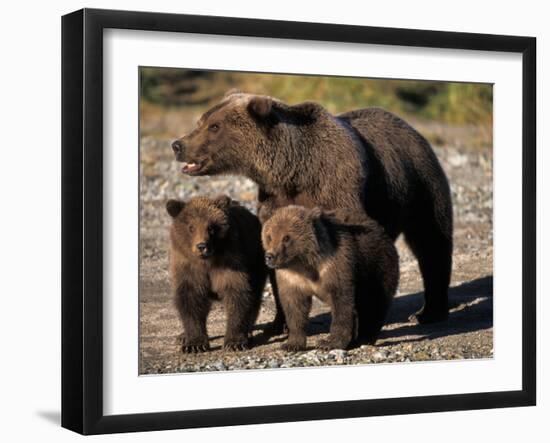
pixel 458 160
pixel 379 356
pixel 220 366
pixel 338 354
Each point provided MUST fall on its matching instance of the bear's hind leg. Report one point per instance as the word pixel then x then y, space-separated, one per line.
pixel 344 319
pixel 432 245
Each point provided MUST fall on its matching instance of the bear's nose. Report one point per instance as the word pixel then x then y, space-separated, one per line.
pixel 269 258
pixel 177 147
pixel 201 247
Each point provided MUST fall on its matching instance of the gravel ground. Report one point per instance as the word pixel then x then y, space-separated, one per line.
pixel 467 334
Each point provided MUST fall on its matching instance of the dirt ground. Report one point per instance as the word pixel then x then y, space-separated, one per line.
pixel 467 334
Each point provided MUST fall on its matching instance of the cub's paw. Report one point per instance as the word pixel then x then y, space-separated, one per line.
pixel 195 347
pixel 293 347
pixel 236 345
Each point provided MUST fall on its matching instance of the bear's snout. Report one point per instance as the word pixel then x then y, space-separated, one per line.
pixel 178 147
pixel 203 249
pixel 271 260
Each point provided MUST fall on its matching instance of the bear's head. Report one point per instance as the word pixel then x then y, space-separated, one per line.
pixel 225 135
pixel 291 236
pixel 200 226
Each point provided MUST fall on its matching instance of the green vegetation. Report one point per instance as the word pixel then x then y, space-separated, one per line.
pixel 446 102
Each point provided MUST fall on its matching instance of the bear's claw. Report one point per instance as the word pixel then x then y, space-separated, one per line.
pixel 236 346
pixel 195 348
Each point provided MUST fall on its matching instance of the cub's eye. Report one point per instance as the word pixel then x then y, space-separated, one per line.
pixel 268 238
pixel 286 239
pixel 214 127
pixel 191 228
pixel 212 229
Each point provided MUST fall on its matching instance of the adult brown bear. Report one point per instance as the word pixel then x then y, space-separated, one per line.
pixel 303 155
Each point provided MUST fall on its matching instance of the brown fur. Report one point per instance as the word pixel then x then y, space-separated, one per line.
pixel 215 254
pixel 343 258
pixel 367 159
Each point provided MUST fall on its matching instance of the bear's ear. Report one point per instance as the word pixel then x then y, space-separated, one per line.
pixel 222 202
pixel 231 92
pixel 260 106
pixel 174 207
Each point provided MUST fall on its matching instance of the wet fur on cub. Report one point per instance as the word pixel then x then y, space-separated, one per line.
pixel 215 254
pixel 342 257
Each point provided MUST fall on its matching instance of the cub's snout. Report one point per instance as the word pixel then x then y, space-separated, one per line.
pixel 270 260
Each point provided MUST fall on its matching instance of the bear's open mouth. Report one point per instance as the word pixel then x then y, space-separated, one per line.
pixel 191 168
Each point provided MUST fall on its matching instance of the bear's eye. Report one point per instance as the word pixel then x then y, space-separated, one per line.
pixel 212 229
pixel 191 228
pixel 214 127
pixel 286 239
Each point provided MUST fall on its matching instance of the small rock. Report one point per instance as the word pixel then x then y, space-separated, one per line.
pixel 309 355
pixel 458 160
pixel 338 354
pixel 220 366
pixel 379 356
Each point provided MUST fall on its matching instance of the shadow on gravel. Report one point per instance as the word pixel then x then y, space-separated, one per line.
pixel 470 310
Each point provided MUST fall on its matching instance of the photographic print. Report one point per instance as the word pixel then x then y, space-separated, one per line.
pixel 297 221
pixel 287 203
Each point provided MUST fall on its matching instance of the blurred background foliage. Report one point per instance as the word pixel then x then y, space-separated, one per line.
pixel 173 91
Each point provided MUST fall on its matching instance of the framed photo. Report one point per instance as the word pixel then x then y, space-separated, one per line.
pixel 269 221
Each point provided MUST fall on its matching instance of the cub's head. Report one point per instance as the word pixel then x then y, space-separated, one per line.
pixel 291 236
pixel 225 135
pixel 199 226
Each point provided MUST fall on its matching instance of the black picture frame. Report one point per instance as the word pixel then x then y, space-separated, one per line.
pixel 82 219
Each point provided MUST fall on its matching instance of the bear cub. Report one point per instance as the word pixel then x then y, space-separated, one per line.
pixel 342 257
pixel 215 254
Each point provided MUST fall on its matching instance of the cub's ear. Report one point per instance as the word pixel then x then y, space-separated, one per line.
pixel 223 201
pixel 231 92
pixel 260 106
pixel 174 207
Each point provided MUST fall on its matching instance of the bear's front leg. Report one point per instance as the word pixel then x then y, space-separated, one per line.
pixel 239 307
pixel 296 306
pixel 343 321
pixel 193 308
